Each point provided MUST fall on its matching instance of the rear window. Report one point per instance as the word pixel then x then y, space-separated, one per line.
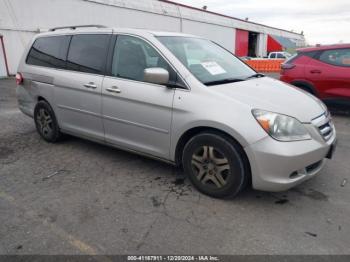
pixel 292 58
pixel 87 53
pixel 49 51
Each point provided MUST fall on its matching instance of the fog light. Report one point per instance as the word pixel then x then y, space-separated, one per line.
pixel 293 175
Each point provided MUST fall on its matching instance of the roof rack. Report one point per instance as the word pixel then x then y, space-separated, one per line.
pixel 73 27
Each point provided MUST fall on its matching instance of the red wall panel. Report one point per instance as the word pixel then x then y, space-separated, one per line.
pixel 273 45
pixel 241 42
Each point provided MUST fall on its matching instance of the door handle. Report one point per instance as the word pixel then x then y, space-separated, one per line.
pixel 91 85
pixel 114 89
pixel 315 71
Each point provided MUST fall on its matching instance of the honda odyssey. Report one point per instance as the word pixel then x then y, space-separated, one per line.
pixel 179 98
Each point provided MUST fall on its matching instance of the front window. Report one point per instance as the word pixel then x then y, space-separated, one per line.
pixel 207 61
pixel 133 55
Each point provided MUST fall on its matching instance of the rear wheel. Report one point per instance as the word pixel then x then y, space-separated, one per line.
pixel 215 165
pixel 46 123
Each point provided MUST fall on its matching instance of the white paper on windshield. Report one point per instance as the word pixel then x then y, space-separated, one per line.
pixel 213 68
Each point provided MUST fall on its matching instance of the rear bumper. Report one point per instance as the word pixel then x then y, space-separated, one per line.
pixel 279 166
pixel 25 101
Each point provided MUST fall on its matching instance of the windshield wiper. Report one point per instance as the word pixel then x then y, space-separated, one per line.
pixel 223 81
pixel 257 75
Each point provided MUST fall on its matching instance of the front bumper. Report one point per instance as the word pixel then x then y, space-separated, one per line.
pixel 279 166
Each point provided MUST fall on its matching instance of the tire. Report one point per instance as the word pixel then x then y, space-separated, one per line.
pixel 46 122
pixel 216 165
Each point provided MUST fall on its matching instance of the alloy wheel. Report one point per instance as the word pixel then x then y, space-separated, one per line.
pixel 44 122
pixel 211 166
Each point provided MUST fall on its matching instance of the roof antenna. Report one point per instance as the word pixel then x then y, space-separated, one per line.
pixel 205 7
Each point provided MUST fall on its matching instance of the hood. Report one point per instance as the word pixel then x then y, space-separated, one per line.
pixel 273 95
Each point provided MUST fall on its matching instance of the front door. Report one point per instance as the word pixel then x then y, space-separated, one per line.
pixel 137 115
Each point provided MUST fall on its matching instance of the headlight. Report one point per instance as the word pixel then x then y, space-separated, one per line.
pixel 281 127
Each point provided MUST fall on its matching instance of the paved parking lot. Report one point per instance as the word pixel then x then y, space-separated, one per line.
pixel 78 197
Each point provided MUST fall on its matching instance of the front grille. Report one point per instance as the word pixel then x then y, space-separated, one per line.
pixel 326 131
pixel 324 125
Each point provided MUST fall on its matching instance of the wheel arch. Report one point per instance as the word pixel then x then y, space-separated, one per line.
pixel 306 86
pixel 191 132
pixel 41 98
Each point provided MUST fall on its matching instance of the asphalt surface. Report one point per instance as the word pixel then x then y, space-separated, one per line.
pixel 78 197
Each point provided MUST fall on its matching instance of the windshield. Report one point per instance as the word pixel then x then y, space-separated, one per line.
pixel 207 61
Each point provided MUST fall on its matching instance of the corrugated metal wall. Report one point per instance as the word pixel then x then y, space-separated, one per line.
pixel 21 19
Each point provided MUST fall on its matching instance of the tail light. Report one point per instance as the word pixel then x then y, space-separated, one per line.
pixel 19 79
pixel 287 66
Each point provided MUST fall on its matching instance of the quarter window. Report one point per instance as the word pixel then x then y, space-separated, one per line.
pixel 87 53
pixel 49 52
pixel 338 57
pixel 133 55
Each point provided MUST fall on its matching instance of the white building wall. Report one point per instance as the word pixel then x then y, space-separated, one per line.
pixel 262 45
pixel 15 42
pixel 3 70
pixel 225 36
pixel 21 19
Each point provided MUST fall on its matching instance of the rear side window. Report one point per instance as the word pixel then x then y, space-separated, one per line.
pixel 49 51
pixel 87 53
pixel 312 54
pixel 337 57
pixel 294 57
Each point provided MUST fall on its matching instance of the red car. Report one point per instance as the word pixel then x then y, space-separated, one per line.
pixel 323 71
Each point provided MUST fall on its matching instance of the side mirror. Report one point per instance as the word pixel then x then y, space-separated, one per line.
pixel 156 75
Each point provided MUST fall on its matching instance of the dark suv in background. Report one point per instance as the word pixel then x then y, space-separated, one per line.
pixel 323 71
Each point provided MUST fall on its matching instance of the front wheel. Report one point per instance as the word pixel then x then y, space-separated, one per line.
pixel 215 165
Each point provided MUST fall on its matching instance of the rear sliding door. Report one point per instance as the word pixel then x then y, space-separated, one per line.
pixel 78 87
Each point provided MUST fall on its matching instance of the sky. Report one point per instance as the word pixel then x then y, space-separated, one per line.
pixel 322 21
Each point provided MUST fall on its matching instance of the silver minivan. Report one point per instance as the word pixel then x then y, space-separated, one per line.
pixel 178 98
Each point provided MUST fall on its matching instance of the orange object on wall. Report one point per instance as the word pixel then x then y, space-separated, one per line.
pixel 266 66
